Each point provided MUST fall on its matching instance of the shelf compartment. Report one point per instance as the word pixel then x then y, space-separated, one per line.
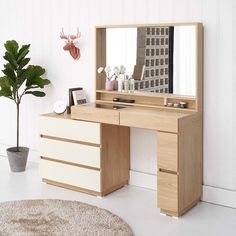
pixel 146 100
pixel 143 105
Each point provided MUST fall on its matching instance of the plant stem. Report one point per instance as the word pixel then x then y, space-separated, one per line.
pixel 17 126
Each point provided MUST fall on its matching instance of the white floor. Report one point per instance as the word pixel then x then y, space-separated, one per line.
pixel 137 206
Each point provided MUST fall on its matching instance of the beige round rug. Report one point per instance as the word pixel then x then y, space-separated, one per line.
pixel 58 217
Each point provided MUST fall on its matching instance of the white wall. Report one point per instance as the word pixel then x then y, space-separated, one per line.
pixel 39 22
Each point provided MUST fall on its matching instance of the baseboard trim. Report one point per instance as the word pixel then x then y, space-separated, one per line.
pixel 33 154
pixel 143 180
pixel 219 196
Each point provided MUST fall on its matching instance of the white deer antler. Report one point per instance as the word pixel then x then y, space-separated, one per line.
pixel 62 35
pixel 75 36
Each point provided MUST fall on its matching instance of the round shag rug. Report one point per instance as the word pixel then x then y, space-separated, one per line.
pixel 59 217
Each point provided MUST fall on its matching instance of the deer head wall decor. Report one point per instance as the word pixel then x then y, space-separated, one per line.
pixel 72 43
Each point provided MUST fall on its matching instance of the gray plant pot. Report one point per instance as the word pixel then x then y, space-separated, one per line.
pixel 17 160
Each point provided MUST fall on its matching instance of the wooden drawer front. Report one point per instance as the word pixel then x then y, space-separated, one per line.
pixel 148 121
pixel 70 152
pixel 167 191
pixel 71 175
pixel 167 151
pixel 70 129
pixel 102 115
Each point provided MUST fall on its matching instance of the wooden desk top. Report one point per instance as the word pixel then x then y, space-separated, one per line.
pixel 147 118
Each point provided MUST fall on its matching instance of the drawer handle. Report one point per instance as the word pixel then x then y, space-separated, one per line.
pixel 69 140
pixel 70 163
pixel 168 171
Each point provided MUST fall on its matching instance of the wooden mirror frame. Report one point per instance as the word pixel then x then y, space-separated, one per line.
pixel 142 99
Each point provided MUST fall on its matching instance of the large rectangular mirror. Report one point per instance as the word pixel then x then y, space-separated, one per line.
pixel 161 59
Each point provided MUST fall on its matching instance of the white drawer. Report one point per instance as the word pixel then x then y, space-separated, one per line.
pixel 70 152
pixel 70 129
pixel 71 175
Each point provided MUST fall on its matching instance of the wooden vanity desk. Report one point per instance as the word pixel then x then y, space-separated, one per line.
pixel 179 131
pixel 179 134
pixel 179 149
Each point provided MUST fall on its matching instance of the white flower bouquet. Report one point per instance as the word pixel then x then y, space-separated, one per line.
pixel 117 71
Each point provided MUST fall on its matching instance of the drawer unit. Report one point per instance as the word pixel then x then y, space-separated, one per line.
pixel 70 152
pixel 167 162
pixel 167 152
pixel 83 155
pixel 179 164
pixel 70 129
pixel 167 191
pixel 71 175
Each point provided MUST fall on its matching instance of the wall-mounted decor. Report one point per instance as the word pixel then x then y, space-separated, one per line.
pixel 72 43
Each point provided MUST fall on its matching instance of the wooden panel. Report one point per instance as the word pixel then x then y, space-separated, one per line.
pixel 115 156
pixel 167 151
pixel 199 68
pixel 70 129
pixel 167 191
pixel 100 56
pixel 147 25
pixel 89 113
pixel 71 175
pixel 190 161
pixel 70 152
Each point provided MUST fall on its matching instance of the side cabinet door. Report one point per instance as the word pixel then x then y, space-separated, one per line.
pixel 167 191
pixel 167 161
pixel 167 151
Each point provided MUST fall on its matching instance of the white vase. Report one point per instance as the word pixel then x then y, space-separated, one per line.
pixel 120 85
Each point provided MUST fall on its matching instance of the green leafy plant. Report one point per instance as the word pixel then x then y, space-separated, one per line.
pixel 20 78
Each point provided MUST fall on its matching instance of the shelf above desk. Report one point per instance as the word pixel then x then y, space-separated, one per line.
pixel 184 110
pixel 150 100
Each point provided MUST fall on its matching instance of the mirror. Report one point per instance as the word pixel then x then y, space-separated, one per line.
pixel 161 59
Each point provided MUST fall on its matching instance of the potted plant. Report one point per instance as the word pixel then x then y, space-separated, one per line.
pixel 20 79
pixel 107 73
pixel 117 71
pixel 119 74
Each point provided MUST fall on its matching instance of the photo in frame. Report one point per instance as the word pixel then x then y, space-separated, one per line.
pixel 79 97
pixel 76 96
